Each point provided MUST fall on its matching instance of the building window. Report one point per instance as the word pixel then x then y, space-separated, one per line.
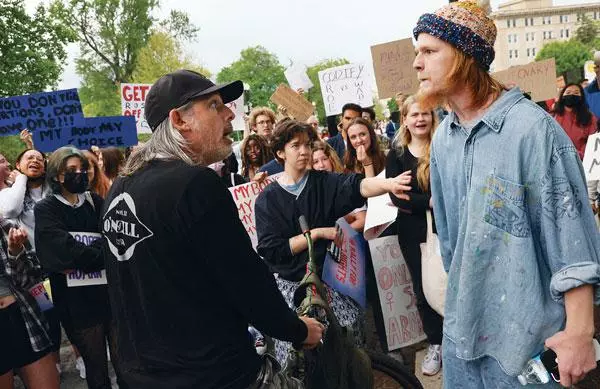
pixel 526 37
pixel 528 53
pixel 533 51
pixel 508 23
pixel 567 33
pixel 526 22
pixel 516 53
pixel 564 18
pixel 546 19
pixel 510 54
pixel 515 38
pixel 545 35
pixel 509 38
pixel 533 36
pixel 549 34
pixel 531 21
pixel 514 22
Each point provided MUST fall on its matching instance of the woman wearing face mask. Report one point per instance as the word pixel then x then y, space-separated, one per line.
pixel 572 113
pixel 17 202
pixel 411 152
pixel 364 155
pixel 68 241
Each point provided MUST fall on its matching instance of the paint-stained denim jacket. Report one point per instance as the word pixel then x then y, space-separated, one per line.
pixel 515 228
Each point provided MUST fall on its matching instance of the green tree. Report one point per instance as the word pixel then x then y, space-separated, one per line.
pixel 569 55
pixel 588 32
pixel 258 68
pixel 112 34
pixel 314 94
pixel 392 105
pixel 32 48
pixel 162 54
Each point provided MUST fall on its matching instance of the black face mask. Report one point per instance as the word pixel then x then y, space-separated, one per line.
pixel 571 100
pixel 76 182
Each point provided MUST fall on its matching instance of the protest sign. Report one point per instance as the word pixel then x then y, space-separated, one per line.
pixel 381 213
pixel 133 99
pixel 537 78
pixel 344 268
pixel 589 70
pixel 591 158
pixel 394 72
pixel 244 197
pixel 109 131
pixel 294 102
pixel 40 294
pixel 79 278
pixel 39 111
pixel 345 84
pixel 403 324
pixel 237 107
pixel 297 78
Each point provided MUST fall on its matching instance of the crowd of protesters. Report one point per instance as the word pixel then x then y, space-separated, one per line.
pixel 501 178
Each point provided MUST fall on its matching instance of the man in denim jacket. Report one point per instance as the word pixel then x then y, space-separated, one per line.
pixel 517 234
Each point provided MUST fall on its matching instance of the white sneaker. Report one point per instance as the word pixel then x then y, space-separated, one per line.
pixel 80 365
pixel 432 363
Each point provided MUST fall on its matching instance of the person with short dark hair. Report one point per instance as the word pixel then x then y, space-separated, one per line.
pixel 369 115
pixel 183 278
pixel 339 142
pixel 322 198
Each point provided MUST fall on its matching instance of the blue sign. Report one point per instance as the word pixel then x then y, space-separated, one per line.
pixel 39 111
pixel 109 131
pixel 344 269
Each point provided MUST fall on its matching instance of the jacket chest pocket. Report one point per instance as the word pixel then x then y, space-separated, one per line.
pixel 506 206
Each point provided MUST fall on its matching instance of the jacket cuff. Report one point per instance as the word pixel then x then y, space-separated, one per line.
pixel 573 276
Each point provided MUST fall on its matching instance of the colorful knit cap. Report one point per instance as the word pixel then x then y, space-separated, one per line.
pixel 464 25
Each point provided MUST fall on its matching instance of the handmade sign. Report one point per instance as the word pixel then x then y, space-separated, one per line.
pixel 345 84
pixel 40 294
pixel 537 78
pixel 591 158
pixel 294 102
pixel 244 197
pixel 133 99
pixel 394 72
pixel 344 268
pixel 381 213
pixel 109 131
pixel 297 78
pixel 79 278
pixel 237 107
pixel 39 111
pixel 403 324
pixel 589 70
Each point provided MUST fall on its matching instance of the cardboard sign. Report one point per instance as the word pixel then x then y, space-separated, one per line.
pixel 537 78
pixel 297 78
pixel 40 294
pixel 344 266
pixel 39 111
pixel 244 197
pixel 133 98
pixel 394 72
pixel 237 107
pixel 345 84
pixel 591 158
pixel 109 131
pixel 381 213
pixel 79 278
pixel 403 324
pixel 296 104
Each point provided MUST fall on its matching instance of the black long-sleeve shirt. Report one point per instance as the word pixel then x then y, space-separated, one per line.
pixel 58 251
pixel 325 198
pixel 184 281
pixel 411 221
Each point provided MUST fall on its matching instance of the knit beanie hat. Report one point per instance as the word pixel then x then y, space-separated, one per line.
pixel 465 26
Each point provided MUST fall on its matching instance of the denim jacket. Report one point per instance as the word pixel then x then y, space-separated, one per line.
pixel 515 228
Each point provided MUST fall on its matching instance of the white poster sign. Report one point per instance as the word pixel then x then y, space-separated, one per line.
pixel 79 278
pixel 346 84
pixel 381 213
pixel 403 325
pixel 133 98
pixel 297 77
pixel 591 158
pixel 237 106
pixel 589 70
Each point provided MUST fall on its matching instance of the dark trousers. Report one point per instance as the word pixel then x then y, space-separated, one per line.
pixel 91 343
pixel 432 321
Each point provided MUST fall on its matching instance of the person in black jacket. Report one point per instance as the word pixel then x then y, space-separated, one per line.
pixel 411 152
pixel 67 244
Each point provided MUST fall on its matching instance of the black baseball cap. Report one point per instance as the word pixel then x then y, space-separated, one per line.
pixel 175 89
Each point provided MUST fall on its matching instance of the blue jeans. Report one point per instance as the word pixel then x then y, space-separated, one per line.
pixel 482 373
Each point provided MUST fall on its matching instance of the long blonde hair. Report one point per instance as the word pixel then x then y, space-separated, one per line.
pixel 403 138
pixel 326 148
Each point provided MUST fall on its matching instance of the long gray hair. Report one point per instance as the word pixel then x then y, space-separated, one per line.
pixel 166 142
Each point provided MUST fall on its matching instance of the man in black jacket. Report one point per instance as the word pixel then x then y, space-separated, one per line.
pixel 183 278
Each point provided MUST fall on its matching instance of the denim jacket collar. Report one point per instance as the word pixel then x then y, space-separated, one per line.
pixel 496 113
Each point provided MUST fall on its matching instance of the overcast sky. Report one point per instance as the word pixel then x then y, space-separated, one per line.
pixel 304 32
